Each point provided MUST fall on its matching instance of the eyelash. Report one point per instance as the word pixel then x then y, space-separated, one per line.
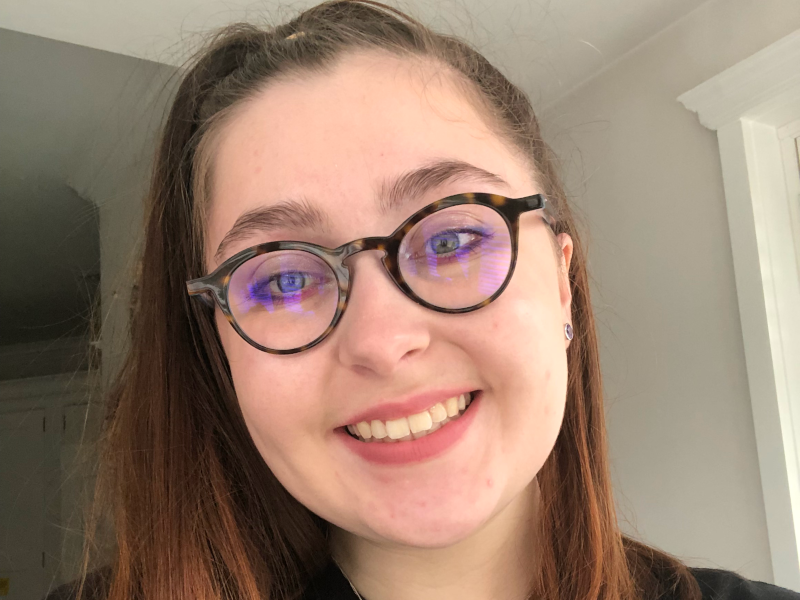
pixel 469 248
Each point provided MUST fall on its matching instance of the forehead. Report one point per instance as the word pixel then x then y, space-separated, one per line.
pixel 333 138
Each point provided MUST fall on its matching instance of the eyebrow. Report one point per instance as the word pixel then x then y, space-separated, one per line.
pixel 287 214
pixel 393 194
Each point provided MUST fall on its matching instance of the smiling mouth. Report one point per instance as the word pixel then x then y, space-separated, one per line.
pixel 413 427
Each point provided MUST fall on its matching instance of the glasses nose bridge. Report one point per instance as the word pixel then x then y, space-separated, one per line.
pixel 380 244
pixel 384 245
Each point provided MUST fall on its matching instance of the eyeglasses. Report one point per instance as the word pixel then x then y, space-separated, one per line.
pixel 455 255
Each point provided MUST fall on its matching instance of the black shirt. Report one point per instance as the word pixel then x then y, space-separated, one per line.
pixel 715 584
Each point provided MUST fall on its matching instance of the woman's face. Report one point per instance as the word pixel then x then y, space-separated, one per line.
pixel 336 142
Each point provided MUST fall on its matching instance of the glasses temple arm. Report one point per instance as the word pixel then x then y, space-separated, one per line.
pixel 200 290
pixel 543 203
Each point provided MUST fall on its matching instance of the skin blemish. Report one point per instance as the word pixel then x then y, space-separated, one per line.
pixel 385 479
pixel 490 483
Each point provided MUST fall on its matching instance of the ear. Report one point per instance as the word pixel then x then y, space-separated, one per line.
pixel 564 242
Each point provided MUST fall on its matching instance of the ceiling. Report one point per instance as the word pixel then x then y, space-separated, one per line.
pixel 66 94
pixel 549 46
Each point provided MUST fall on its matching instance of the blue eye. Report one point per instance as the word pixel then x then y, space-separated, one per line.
pixel 453 243
pixel 444 242
pixel 290 282
pixel 272 287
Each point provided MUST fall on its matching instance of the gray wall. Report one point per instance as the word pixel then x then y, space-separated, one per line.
pixel 48 234
pixel 114 172
pixel 75 154
pixel 646 176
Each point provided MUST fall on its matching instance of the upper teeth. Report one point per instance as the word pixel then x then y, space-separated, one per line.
pixel 413 426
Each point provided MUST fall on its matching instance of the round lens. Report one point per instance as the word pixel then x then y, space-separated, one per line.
pixel 457 257
pixel 283 300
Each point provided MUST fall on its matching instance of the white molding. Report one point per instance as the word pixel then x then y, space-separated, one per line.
pixel 789 137
pixel 758 222
pixel 766 82
pixel 755 107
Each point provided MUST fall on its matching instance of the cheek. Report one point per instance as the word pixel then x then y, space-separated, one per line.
pixel 525 357
pixel 531 363
pixel 277 397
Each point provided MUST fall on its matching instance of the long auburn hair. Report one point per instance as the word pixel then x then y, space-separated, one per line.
pixel 196 512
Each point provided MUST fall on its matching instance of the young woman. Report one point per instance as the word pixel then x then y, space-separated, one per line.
pixel 364 362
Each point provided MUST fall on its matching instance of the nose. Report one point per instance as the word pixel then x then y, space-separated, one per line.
pixel 381 327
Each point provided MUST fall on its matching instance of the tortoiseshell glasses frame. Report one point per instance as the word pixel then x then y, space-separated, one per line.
pixel 217 283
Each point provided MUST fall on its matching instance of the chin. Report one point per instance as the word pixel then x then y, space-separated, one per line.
pixel 417 525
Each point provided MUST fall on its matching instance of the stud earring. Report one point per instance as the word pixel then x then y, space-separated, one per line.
pixel 568 331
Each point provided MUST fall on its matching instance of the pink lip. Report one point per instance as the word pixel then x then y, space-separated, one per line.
pixel 408 406
pixel 417 450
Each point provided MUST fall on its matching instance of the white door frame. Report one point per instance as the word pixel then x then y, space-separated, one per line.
pixel 753 106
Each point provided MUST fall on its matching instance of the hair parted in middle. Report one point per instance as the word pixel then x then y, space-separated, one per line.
pixel 197 513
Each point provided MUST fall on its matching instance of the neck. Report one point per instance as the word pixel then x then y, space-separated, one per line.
pixel 496 562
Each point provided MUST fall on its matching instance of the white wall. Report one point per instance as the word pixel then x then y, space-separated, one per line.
pixel 647 178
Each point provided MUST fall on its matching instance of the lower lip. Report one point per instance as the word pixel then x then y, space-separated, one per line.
pixel 417 450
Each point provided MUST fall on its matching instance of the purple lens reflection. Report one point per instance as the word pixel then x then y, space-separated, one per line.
pixel 284 299
pixel 457 257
